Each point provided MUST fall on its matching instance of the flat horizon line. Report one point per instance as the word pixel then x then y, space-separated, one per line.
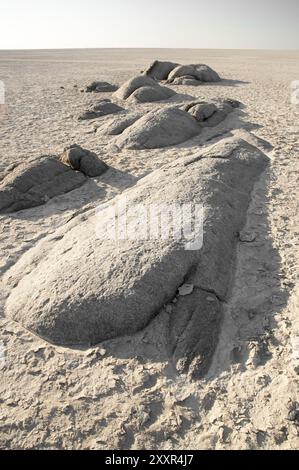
pixel 150 48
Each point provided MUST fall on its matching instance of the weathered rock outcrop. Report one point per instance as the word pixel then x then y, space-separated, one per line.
pixel 200 72
pixel 176 74
pixel 102 108
pixel 143 89
pixel 83 160
pixel 171 125
pixel 209 114
pixel 35 182
pixel 79 286
pixel 160 70
pixel 100 87
pixel 159 128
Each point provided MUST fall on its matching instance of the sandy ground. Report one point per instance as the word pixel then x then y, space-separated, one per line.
pixel 125 394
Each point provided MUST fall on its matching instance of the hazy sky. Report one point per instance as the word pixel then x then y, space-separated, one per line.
pixel 253 24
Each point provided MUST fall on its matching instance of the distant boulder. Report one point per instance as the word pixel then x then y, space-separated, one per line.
pixel 176 74
pixel 83 160
pixel 33 183
pixel 160 70
pixel 103 108
pixel 100 87
pixel 200 72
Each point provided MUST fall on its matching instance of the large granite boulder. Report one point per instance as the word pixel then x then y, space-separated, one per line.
pixel 200 72
pixel 84 284
pixel 33 183
pixel 176 74
pixel 170 126
pixel 159 70
pixel 159 128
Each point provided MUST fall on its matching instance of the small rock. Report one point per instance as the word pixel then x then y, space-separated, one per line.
pixel 251 314
pixel 98 87
pixel 293 414
pixel 295 347
pixel 168 308
pixel 38 349
pixel 102 351
pixel 210 299
pixel 186 289
pixel 247 237
pixel 281 435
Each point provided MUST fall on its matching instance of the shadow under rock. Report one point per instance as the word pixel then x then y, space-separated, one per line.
pixel 224 82
pixel 228 82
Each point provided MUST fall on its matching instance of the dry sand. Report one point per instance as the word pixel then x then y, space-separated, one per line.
pixel 125 394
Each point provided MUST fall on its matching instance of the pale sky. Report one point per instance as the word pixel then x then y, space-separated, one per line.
pixel 228 24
